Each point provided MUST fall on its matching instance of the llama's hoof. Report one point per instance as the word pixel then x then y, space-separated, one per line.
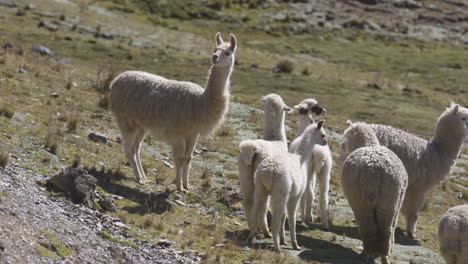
pixel 413 237
pixel 277 250
pixel 267 234
pixel 182 190
pixel 296 247
pixel 142 181
pixel 282 242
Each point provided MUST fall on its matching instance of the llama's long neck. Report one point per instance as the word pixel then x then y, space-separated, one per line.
pixel 302 122
pixel 305 147
pixel 448 140
pixel 217 87
pixel 273 128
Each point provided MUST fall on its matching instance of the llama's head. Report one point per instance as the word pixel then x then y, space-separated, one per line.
pixel 274 105
pixel 223 54
pixel 455 120
pixel 357 135
pixel 316 133
pixel 310 107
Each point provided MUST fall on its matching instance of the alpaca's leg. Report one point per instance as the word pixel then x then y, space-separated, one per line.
pixel 260 200
pixel 247 188
pixel 386 219
pixel 293 204
pixel 282 231
pixel 178 150
pixel 139 137
pixel 324 187
pixel 128 133
pixel 278 208
pixel 190 143
pixel 310 197
pixel 264 222
pixel 414 202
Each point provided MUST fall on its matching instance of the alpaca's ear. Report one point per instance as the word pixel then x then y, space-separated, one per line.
pixel 287 109
pixel 318 110
pixel 233 42
pixel 301 108
pixel 218 39
pixel 320 124
pixel 349 122
pixel 455 109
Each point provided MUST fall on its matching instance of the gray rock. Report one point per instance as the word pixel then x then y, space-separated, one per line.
pixel 8 3
pixel 98 137
pixel 43 14
pixel 411 4
pixel 20 12
pixel 107 204
pixel 48 26
pixel 63 61
pixel 44 51
pixel 165 243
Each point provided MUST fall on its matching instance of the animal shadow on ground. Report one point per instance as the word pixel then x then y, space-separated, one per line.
pixel 149 202
pixel 322 250
pixel 239 238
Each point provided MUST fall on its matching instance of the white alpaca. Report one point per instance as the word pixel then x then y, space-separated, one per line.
pixel 453 235
pixel 320 167
pixel 283 177
pixel 427 162
pixel 374 181
pixel 172 111
pixel 252 152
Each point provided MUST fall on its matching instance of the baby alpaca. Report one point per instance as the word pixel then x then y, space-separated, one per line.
pixel 283 177
pixel 172 111
pixel 252 152
pixel 453 235
pixel 427 162
pixel 374 181
pixel 320 167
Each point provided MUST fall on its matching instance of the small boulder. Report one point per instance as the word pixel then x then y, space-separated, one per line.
pixel 20 12
pixel 48 26
pixel 165 243
pixel 44 51
pixel 410 4
pixel 76 184
pixel 107 204
pixel 8 3
pixel 98 137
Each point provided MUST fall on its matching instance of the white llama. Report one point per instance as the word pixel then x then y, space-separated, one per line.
pixel 283 177
pixel 172 111
pixel 320 167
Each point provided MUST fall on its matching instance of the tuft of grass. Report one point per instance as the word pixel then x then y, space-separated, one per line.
pixel 76 162
pixel 6 111
pixel 225 131
pixel 104 76
pixel 44 252
pixel 54 249
pixel 3 159
pixel 464 195
pixel 109 237
pixel 51 144
pixel 72 121
pixel 284 66
pixel 104 102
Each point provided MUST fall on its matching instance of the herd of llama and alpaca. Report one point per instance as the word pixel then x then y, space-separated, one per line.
pixel 384 170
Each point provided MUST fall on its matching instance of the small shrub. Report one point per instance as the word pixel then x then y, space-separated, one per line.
pixel 76 162
pixel 72 122
pixel 104 77
pixel 224 132
pixel 464 195
pixel 6 111
pixel 51 143
pixel 284 66
pixel 3 159
pixel 306 72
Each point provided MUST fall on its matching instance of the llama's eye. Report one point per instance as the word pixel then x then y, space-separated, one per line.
pixel 227 53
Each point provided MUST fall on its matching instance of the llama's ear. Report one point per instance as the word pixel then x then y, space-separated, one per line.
pixel 287 109
pixel 349 122
pixel 233 42
pixel 218 39
pixel 316 109
pixel 455 109
pixel 301 108
pixel 320 124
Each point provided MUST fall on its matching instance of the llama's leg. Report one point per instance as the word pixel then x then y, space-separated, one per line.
pixel 277 210
pixel 324 187
pixel 264 222
pixel 282 231
pixel 310 197
pixel 139 137
pixel 190 143
pixel 293 204
pixel 260 201
pixel 386 221
pixel 414 202
pixel 178 150
pixel 247 188
pixel 128 133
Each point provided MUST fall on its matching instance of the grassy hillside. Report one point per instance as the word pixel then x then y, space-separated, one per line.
pixel 48 108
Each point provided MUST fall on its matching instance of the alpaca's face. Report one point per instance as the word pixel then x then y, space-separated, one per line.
pixel 319 135
pixel 462 115
pixel 311 107
pixel 223 54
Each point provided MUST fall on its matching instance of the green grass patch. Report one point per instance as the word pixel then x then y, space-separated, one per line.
pixel 109 237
